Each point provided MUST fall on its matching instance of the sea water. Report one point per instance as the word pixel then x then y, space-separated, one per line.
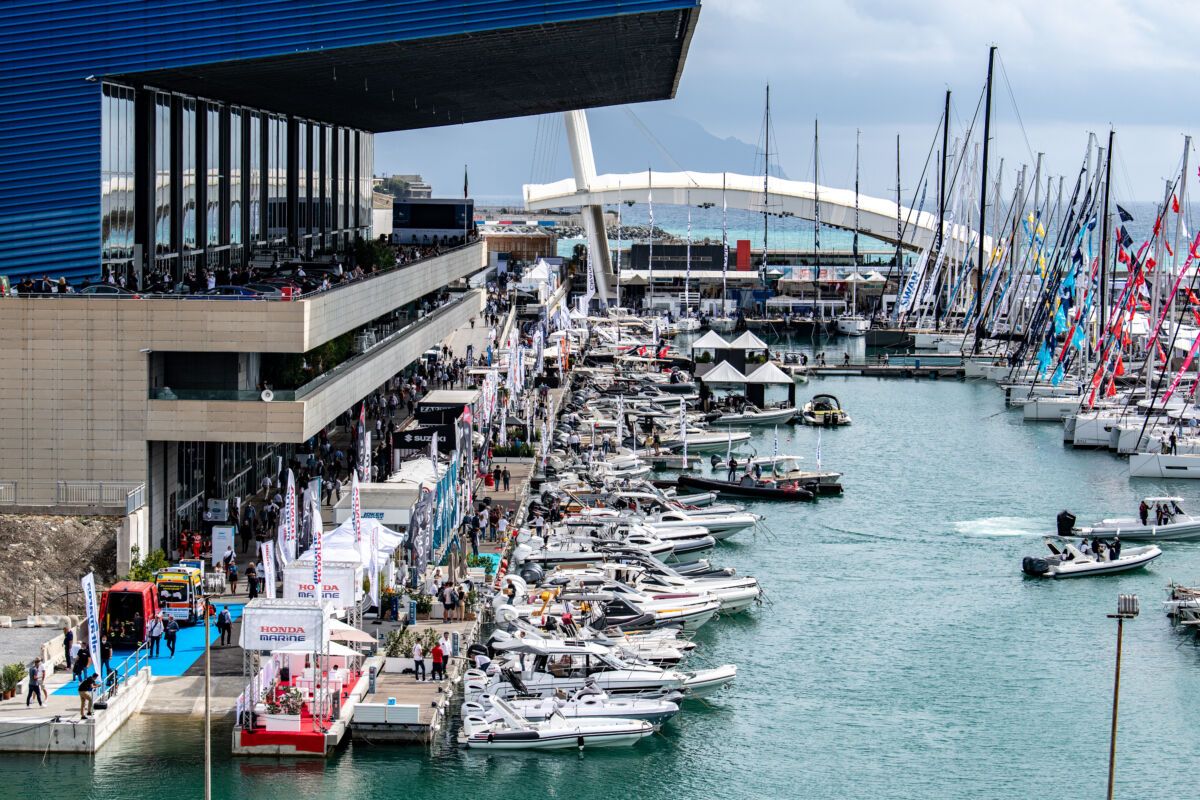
pixel 901 654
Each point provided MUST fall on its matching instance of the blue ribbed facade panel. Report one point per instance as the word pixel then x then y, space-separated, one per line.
pixel 52 55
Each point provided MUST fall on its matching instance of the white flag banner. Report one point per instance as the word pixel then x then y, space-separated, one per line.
pixel 92 610
pixel 433 441
pixel 683 429
pixel 818 448
pixel 356 507
pixel 268 562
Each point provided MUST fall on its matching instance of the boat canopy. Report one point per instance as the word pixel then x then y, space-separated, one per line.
pixel 769 373
pixel 710 341
pixel 747 341
pixel 723 373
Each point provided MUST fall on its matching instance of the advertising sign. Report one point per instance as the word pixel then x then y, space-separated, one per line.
pixel 340 584
pixel 222 537
pixel 268 562
pixel 92 610
pixel 280 625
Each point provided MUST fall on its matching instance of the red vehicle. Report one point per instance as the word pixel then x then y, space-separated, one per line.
pixel 125 611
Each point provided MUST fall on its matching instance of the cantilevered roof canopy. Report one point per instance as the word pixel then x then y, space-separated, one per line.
pixel 413 82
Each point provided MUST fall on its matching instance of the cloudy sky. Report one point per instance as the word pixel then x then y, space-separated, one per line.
pixel 1064 68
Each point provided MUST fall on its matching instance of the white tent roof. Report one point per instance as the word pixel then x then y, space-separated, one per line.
pixel 723 373
pixel 333 648
pixel 875 277
pixel 712 339
pixel 769 373
pixel 748 341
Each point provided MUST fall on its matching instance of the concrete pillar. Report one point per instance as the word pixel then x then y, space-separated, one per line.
pixel 584 164
pixel 134 532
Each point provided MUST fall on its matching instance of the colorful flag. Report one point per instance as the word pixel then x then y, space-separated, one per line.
pixel 356 507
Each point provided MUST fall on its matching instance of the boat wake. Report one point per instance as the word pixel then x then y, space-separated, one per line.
pixel 1004 526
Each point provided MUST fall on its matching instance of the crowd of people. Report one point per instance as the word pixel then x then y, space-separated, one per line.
pixel 281 272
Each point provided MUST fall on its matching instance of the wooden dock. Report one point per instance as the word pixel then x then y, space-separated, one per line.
pixel 876 370
pixel 403 710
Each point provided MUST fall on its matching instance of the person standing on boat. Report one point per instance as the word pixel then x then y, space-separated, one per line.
pixel 1115 549
pixel 733 465
pixel 1144 512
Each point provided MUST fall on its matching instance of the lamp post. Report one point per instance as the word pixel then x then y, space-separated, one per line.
pixel 1127 608
pixel 207 708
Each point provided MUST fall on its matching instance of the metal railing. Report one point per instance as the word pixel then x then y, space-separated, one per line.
pixel 130 295
pixel 108 494
pixel 127 669
pixel 285 395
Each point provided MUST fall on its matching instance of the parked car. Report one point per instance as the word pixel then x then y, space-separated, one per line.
pixel 106 289
pixel 273 291
pixel 231 293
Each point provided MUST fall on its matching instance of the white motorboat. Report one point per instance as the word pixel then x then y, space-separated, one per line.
pixel 824 410
pixel 722 324
pixel 853 325
pixel 1068 561
pixel 501 727
pixel 706 442
pixel 1176 526
pixel 749 415
pixel 587 703
pixel 1160 465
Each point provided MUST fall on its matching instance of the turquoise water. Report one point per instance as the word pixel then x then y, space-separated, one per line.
pixel 903 654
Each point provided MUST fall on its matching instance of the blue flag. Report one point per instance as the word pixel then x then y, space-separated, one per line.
pixel 1056 379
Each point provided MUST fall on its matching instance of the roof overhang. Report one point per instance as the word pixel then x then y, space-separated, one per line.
pixel 454 79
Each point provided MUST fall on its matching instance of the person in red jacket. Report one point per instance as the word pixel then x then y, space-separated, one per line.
pixel 439 663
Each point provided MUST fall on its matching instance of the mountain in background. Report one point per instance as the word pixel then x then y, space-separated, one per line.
pixel 502 155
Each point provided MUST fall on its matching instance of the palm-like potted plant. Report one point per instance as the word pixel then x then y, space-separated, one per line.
pixel 283 710
pixel 398 651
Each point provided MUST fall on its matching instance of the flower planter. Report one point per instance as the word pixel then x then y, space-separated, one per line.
pixel 513 460
pixel 398 665
pixel 282 722
pixel 422 615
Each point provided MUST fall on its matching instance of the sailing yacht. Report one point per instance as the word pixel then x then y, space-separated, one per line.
pixel 723 323
pixel 850 323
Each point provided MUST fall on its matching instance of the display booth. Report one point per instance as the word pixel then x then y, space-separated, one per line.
pixel 274 625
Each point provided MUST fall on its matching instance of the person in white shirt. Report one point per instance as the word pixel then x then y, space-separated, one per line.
pixel 446 646
pixel 418 654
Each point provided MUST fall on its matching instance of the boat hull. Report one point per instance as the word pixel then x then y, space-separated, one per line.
pixel 765 492
pixel 1158 465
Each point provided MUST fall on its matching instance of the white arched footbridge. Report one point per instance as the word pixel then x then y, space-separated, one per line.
pixel 876 217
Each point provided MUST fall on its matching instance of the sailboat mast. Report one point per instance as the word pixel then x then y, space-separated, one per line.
pixel 762 276
pixel 1103 307
pixel 724 249
pixel 899 227
pixel 941 235
pixel 983 181
pixel 817 221
pixel 854 286
pixel 650 258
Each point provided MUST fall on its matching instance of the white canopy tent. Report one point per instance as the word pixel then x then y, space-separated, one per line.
pixel 770 374
pixel 723 373
pixel 747 341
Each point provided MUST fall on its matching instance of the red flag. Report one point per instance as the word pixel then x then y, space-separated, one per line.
pixel 1170 252
pixel 1196 314
pixel 1161 355
pixel 1122 256
pixel 1192 297
pixel 1119 370
pixel 1111 389
pixel 1175 204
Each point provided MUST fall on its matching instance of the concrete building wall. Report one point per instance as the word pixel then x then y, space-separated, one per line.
pixel 75 394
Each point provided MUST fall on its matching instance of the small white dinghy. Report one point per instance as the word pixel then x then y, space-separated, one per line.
pixel 501 727
pixel 1068 561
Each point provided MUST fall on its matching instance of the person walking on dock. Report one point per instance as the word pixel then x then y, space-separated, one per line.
pixel 80 664
pixel 439 665
pixel 35 671
pixel 225 625
pixel 506 476
pixel 418 654
pixel 170 631
pixel 155 632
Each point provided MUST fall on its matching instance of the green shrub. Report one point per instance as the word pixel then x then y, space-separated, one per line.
pixel 143 569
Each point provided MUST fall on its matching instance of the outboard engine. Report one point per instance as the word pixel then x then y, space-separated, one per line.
pixel 532 573
pixel 1035 566
pixel 1066 521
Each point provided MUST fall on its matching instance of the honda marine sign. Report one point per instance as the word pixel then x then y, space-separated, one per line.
pixel 284 625
pixel 341 582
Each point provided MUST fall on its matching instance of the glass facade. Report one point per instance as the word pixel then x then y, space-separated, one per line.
pixel 236 154
pixel 212 183
pixel 187 170
pixel 117 174
pixel 255 152
pixel 225 183
pixel 163 233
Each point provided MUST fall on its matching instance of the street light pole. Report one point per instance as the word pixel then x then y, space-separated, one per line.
pixel 207 707
pixel 1127 608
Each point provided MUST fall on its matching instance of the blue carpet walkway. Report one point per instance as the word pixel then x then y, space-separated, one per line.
pixel 189 648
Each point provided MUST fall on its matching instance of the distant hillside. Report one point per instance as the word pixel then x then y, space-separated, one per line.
pixel 503 155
